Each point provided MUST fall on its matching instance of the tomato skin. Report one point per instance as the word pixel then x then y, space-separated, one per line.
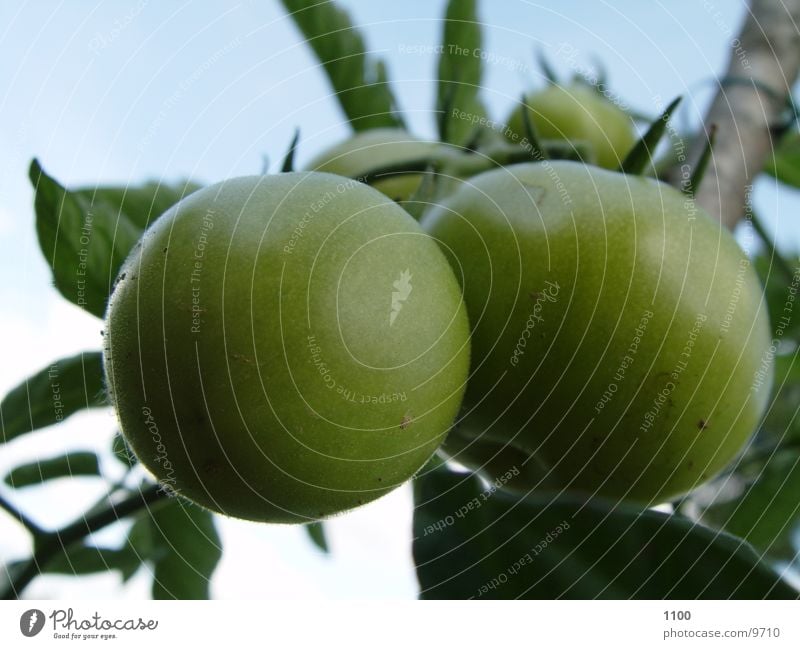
pixel 251 357
pixel 619 334
pixel 377 149
pixel 578 113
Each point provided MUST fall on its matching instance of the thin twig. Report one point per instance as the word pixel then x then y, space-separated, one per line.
pixel 22 518
pixel 55 542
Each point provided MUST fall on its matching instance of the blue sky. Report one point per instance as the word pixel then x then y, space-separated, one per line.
pixel 123 92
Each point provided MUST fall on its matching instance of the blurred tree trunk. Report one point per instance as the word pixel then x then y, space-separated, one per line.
pixel 750 104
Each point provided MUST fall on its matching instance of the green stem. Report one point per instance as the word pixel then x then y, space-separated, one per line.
pixel 53 543
pixel 464 165
pixel 21 517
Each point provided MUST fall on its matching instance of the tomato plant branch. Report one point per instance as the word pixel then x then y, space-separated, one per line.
pixel 22 518
pixel 54 542
pixel 462 164
pixel 765 60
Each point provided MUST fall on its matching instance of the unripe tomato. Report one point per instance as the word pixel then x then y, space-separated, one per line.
pixel 619 334
pixel 378 149
pixel 578 113
pixel 282 348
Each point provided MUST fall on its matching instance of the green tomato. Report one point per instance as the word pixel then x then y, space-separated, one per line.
pixel 578 113
pixel 619 334
pixel 377 149
pixel 282 348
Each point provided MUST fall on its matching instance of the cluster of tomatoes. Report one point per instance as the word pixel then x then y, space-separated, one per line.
pixel 586 329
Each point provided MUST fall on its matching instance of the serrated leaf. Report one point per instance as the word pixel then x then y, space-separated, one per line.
pixel 77 463
pixel 359 81
pixel 53 394
pixel 548 547
pixel 316 532
pixel 784 164
pixel 460 73
pixel 186 550
pixel 86 234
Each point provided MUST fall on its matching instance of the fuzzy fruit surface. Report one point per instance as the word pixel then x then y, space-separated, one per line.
pixel 376 149
pixel 619 334
pixel 282 348
pixel 578 113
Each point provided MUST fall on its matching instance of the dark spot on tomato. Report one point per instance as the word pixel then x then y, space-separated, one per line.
pixel 211 467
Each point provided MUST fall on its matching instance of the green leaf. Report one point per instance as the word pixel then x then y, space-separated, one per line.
pixel 699 171
pixel 779 293
pixel 768 511
pixel 186 551
pixel 288 160
pixel 139 204
pixel 546 68
pixel 641 155
pixel 86 234
pixel 781 425
pixel 359 81
pixel 9 573
pixel 460 73
pixel 316 532
pixel 85 560
pixel 140 542
pixel 472 542
pixel 77 463
pixel 122 452
pixel 53 394
pixel 784 164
